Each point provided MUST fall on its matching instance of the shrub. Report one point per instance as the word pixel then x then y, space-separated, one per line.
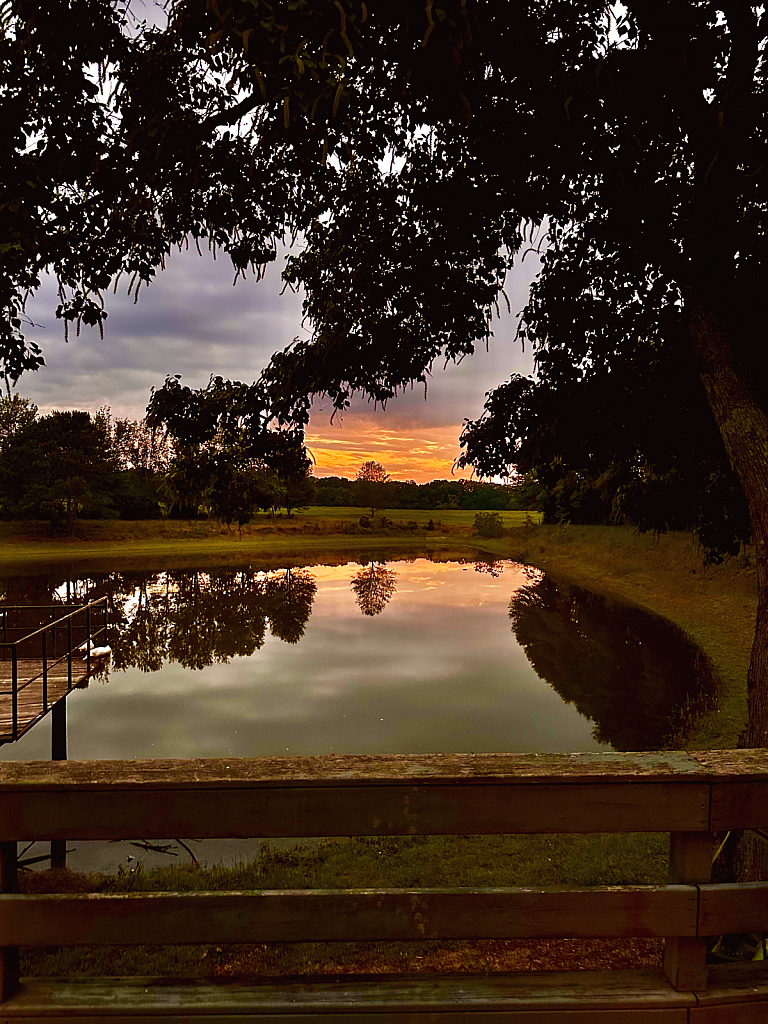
pixel 489 524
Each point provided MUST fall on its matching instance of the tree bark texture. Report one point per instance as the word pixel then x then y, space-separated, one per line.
pixel 743 424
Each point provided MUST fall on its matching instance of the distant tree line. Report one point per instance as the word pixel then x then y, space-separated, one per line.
pixel 436 495
pixel 70 465
pixel 65 466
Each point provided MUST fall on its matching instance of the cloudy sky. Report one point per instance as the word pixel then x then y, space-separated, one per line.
pixel 192 321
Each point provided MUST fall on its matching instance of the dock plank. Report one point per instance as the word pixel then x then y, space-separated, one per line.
pixel 30 706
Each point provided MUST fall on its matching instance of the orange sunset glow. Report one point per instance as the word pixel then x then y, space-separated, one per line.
pixel 408 450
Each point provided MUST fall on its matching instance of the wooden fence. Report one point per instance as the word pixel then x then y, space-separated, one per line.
pixel 690 796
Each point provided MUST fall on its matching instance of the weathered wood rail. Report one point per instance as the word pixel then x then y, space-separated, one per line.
pixel 689 795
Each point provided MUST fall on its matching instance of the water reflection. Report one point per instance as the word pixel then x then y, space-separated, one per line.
pixel 493 568
pixel 207 663
pixel 641 680
pixel 374 587
pixel 199 618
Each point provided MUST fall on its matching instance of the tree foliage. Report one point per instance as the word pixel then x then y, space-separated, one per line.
pixel 227 458
pixel 418 148
pixel 135 444
pixel 371 490
pixel 57 467
pixel 16 413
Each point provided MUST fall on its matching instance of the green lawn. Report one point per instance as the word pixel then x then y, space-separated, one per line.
pixel 399 862
pixel 446 517
pixel 304 536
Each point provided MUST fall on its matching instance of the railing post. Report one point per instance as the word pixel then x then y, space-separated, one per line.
pixel 690 861
pixel 15 689
pixel 9 955
pixel 44 639
pixel 59 753
pixel 69 654
pixel 88 639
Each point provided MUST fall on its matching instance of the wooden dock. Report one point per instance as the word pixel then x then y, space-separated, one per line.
pixel 30 704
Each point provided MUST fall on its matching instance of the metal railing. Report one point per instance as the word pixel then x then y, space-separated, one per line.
pixel 48 645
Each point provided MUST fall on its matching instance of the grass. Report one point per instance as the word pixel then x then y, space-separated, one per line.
pixel 292 540
pixel 450 518
pixel 715 605
pixel 407 862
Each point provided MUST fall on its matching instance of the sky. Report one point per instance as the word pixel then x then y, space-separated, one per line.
pixel 194 322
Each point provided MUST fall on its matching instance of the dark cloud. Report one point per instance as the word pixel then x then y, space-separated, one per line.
pixel 192 321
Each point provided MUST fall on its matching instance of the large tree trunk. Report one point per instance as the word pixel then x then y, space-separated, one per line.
pixel 743 424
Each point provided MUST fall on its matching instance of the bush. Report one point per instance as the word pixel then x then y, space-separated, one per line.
pixel 489 524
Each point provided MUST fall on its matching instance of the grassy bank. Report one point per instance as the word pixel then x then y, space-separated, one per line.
pixel 290 540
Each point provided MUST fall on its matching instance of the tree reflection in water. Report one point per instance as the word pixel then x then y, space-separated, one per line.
pixel 493 568
pixel 374 586
pixel 199 618
pixel 639 678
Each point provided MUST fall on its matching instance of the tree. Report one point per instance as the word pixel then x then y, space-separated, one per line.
pixel 419 148
pixel 136 444
pixel 142 456
pixel 15 414
pixel 371 490
pixel 57 467
pixel 227 456
pixel 298 489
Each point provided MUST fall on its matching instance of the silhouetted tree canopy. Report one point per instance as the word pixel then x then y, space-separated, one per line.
pixel 16 413
pixel 228 454
pixel 370 485
pixel 417 147
pixel 57 467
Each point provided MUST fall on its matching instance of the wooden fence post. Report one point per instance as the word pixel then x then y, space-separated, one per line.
pixel 690 861
pixel 9 955
pixel 59 753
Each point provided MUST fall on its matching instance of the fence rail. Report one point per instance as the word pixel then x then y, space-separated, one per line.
pixel 689 795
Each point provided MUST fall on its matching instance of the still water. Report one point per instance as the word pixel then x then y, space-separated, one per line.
pixel 402 657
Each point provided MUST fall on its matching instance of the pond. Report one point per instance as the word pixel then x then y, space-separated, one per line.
pixel 404 657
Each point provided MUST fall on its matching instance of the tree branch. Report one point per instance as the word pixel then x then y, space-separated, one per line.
pixel 233 114
pixel 745 53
